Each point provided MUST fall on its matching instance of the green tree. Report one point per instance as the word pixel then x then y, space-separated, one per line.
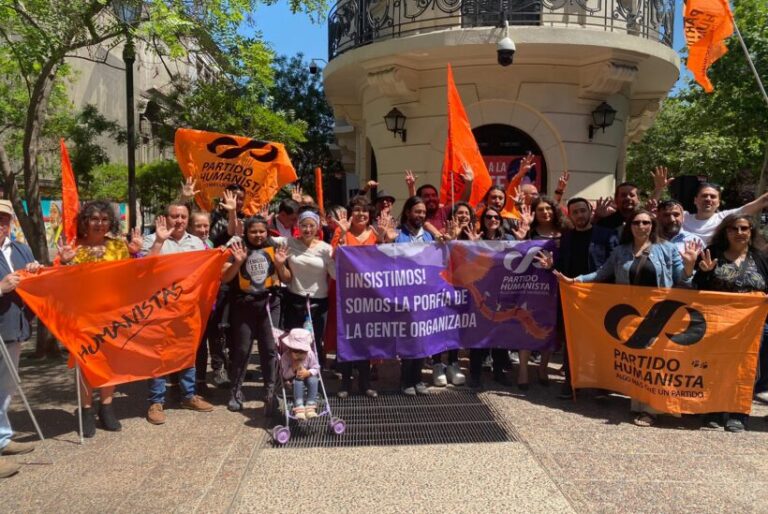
pixel 299 92
pixel 109 183
pixel 722 135
pixel 37 36
pixel 159 183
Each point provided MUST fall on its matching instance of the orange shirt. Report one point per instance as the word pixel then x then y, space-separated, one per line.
pixel 351 240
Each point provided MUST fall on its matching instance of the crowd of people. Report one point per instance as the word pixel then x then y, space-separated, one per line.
pixel 282 265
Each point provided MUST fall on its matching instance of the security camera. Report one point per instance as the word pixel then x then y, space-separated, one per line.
pixel 313 67
pixel 505 50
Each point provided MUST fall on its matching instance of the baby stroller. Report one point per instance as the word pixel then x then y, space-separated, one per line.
pixel 282 433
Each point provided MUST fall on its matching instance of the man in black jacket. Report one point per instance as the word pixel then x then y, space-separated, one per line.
pixel 15 329
pixel 582 250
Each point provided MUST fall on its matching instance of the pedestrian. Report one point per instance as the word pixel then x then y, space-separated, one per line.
pixel 254 283
pixel 641 259
pixel 735 262
pixel 98 240
pixel 15 330
pixel 171 237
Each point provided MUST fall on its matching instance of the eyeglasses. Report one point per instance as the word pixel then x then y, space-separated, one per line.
pixel 492 217
pixel 643 223
pixel 96 221
pixel 738 229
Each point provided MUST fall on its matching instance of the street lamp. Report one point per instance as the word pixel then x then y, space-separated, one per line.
pixel 603 116
pixel 129 12
pixel 394 120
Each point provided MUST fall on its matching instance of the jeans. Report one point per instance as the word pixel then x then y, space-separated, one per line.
pixel 7 388
pixel 308 385
pixel 186 383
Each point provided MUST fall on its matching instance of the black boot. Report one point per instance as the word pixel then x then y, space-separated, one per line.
pixel 108 419
pixel 89 422
pixel 236 400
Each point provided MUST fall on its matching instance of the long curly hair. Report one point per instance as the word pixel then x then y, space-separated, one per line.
pixel 557 214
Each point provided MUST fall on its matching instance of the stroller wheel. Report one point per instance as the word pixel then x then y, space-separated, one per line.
pixel 338 426
pixel 281 434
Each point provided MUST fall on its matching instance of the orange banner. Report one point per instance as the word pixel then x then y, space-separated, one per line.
pixel 461 148
pixel 707 24
pixel 128 320
pixel 681 351
pixel 218 160
pixel 70 201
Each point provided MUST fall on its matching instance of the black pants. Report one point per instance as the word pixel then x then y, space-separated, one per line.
pixel 477 355
pixel 410 372
pixel 217 331
pixel 206 342
pixel 363 370
pixel 453 356
pixel 250 321
pixel 295 314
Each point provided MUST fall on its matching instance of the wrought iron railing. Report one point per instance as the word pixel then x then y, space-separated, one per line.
pixel 354 23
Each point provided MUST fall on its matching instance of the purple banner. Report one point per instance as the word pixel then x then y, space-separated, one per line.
pixel 414 300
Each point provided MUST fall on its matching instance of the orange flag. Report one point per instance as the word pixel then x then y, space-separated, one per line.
pixel 319 190
pixel 707 24
pixel 677 350
pixel 128 320
pixel 461 148
pixel 70 202
pixel 218 160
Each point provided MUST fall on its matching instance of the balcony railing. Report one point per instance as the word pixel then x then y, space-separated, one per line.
pixel 354 23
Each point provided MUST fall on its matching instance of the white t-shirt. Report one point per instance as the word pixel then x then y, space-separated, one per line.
pixel 705 229
pixel 310 267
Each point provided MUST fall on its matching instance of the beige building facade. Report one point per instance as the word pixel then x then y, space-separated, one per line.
pixel 571 56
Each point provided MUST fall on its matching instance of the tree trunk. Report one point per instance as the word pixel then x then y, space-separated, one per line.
pixel 32 221
pixel 763 171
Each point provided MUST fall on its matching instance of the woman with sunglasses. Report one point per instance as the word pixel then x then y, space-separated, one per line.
pixel 734 263
pixel 643 260
pixel 491 229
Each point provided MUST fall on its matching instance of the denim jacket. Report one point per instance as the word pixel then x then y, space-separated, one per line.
pixel 666 261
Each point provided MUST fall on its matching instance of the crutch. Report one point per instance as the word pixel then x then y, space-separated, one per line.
pixel 17 382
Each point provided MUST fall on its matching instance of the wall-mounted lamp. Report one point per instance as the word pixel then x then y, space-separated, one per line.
pixel 313 67
pixel 395 122
pixel 602 117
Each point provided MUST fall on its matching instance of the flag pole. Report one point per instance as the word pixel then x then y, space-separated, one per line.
pixel 749 58
pixel 79 402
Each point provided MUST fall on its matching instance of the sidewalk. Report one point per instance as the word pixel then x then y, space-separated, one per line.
pixel 572 457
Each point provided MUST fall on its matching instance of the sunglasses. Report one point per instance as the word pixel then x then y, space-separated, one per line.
pixel 643 223
pixel 492 217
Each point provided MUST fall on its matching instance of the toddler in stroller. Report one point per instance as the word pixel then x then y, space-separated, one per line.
pixel 300 369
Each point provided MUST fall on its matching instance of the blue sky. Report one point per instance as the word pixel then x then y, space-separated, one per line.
pixel 289 34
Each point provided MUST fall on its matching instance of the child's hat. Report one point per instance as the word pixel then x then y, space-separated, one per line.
pixel 298 339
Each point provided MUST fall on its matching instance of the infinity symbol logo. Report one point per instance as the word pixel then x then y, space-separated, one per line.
pixel 232 151
pixel 525 263
pixel 654 322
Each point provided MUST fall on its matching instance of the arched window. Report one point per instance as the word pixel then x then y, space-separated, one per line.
pixel 502 147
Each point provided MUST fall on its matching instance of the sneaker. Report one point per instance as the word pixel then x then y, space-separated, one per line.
pixel 535 358
pixel 488 362
pixel 342 394
pixel 421 388
pixel 438 375
pixel 8 468
pixel 454 374
pixel 371 393
pixel 409 391
pixel 299 413
pixel 734 425
pixel 221 379
pixel 108 419
pixel 16 448
pixel 155 414
pixel 235 403
pixel 713 421
pixel 89 422
pixel 762 397
pixel 196 403
pixel 311 411
pixel 514 358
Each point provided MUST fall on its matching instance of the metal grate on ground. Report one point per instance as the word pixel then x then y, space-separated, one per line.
pixel 447 417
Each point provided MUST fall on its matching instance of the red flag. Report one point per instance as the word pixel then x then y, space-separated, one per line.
pixel 70 201
pixel 128 320
pixel 461 148
pixel 707 24
pixel 319 189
